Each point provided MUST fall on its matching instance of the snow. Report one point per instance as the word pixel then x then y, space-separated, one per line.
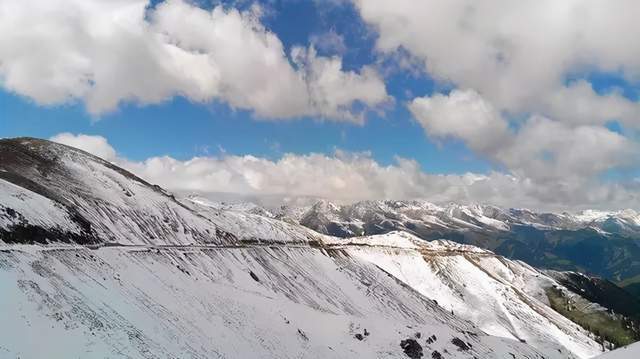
pixel 37 209
pixel 454 216
pixel 127 211
pixel 392 239
pixel 493 223
pixel 203 303
pixel 592 215
pixel 119 207
pixel 246 207
pixel 445 245
pixel 253 227
pixel 506 298
pixel 631 351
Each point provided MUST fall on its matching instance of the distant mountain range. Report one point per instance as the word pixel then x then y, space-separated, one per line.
pixel 605 244
pixel 95 262
pixel 369 217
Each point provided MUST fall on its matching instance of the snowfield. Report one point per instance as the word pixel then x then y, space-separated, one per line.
pixel 262 302
pixel 629 352
pixel 505 298
pixel 15 202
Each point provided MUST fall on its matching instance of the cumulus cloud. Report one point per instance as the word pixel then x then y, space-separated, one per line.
pixel 333 90
pixel 104 53
pixel 464 115
pixel 348 177
pixel 578 103
pixel 550 150
pixel 540 149
pixel 524 99
pixel 519 54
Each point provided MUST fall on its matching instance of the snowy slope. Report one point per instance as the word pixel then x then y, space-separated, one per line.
pixel 43 212
pixel 606 244
pixel 629 352
pixel 255 302
pixel 251 227
pixel 109 203
pixel 506 298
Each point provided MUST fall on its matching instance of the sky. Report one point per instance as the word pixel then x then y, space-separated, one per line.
pixel 530 104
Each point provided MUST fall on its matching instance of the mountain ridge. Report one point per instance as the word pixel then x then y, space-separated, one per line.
pixel 476 215
pixel 175 277
pixel 597 243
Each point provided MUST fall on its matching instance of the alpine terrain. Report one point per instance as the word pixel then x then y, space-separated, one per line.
pixel 605 244
pixel 97 263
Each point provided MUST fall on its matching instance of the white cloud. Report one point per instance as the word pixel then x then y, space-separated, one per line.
pixel 96 145
pixel 540 149
pixel 330 42
pixel 462 114
pixel 332 90
pixel 347 177
pixel 108 52
pixel 578 103
pixel 519 54
pixel 513 60
pixel 550 150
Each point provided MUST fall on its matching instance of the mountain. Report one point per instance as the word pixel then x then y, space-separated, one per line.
pixel 626 222
pixel 375 216
pixel 605 244
pixel 95 262
pixel 57 192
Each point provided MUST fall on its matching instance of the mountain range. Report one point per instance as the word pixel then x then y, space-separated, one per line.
pixel 96 262
pixel 598 243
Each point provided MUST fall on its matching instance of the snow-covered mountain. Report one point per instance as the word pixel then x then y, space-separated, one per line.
pixel 375 216
pixel 626 222
pixel 95 262
pixel 56 191
pixel 605 244
pixel 505 298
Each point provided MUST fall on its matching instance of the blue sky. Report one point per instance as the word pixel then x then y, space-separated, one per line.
pixel 543 111
pixel 183 129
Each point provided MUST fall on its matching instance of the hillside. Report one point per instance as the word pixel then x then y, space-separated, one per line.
pixel 628 352
pixel 599 243
pixel 101 264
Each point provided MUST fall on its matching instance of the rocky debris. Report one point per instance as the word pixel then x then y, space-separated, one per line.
pixel 254 276
pixel 362 336
pixel 460 344
pixel 412 348
pixel 432 339
pixel 303 335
